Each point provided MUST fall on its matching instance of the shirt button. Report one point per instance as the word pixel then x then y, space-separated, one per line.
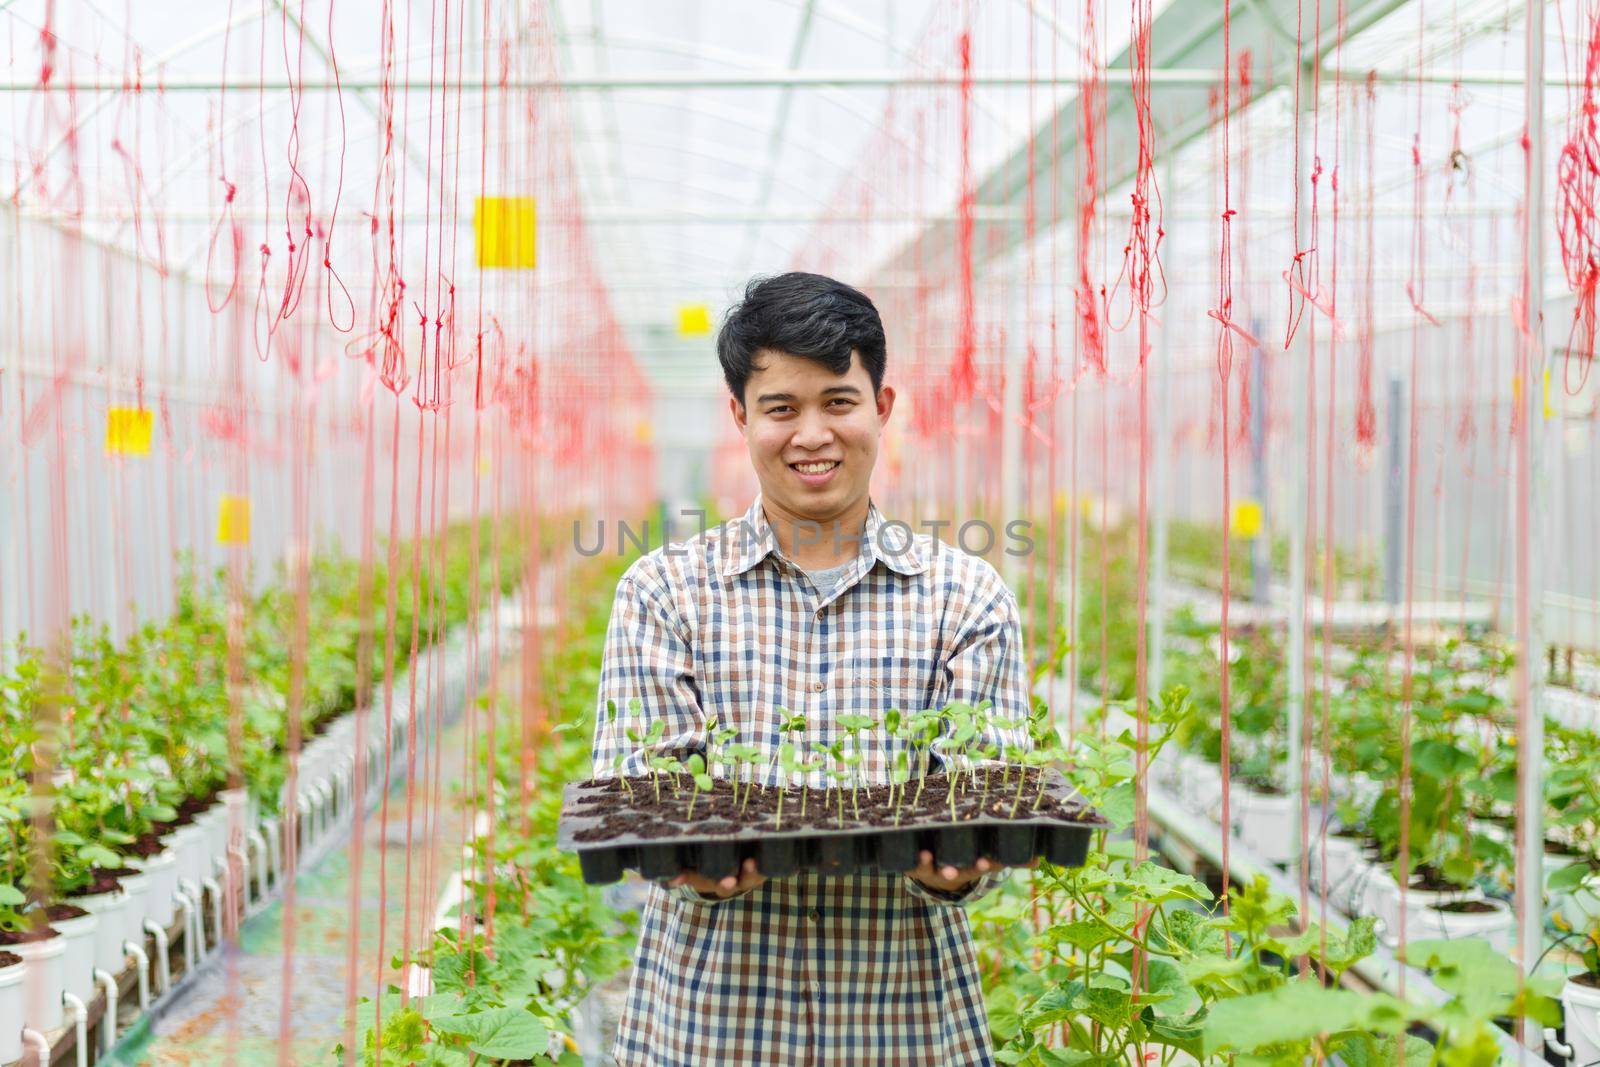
pixel 815 915
pixel 817 686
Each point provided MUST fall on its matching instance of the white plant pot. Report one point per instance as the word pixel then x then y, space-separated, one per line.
pixel 1202 785
pixel 214 822
pixel 1371 890
pixel 235 819
pixel 1343 857
pixel 41 984
pixel 194 860
pixel 1383 901
pixel 1265 823
pixel 137 887
pixel 77 958
pixel 1493 926
pixel 13 998
pixel 112 911
pixel 1581 1005
pixel 162 870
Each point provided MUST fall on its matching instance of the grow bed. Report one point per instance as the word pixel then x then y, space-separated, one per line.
pixel 616 825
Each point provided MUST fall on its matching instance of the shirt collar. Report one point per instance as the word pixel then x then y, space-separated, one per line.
pixel 749 539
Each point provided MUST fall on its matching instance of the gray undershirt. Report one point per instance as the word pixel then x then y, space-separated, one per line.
pixel 828 580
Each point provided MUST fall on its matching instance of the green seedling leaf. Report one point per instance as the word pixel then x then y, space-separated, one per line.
pixel 504 1033
pixel 1157 884
pixel 1297 1011
pixel 1569 878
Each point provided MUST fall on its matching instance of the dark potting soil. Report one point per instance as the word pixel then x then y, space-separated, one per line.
pixel 146 846
pixel 25 937
pixel 104 880
pixel 189 809
pixel 717 812
pixel 9 959
pixel 1590 981
pixel 1430 880
pixel 63 911
pixel 1465 907
pixel 198 805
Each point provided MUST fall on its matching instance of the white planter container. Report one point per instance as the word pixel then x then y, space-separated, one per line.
pixel 214 821
pixel 235 820
pixel 1581 1005
pixel 41 983
pixel 112 911
pixel 13 996
pixel 1383 901
pixel 1493 926
pixel 1344 859
pixel 162 870
pixel 77 957
pixel 137 887
pixel 1201 785
pixel 194 859
pixel 1264 823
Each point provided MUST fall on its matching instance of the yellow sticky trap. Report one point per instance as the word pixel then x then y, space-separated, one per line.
pixel 694 320
pixel 1247 519
pixel 644 432
pixel 1549 410
pixel 506 230
pixel 233 520
pixel 128 431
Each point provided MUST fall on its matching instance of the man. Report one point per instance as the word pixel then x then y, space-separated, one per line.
pixel 812 603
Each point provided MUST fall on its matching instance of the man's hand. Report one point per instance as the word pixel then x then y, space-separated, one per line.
pixel 949 879
pixel 733 885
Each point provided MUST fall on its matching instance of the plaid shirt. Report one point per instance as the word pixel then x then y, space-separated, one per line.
pixel 809 970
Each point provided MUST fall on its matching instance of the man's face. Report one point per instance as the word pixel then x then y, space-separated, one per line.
pixel 812 434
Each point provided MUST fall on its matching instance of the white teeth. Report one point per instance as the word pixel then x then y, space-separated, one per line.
pixel 815 468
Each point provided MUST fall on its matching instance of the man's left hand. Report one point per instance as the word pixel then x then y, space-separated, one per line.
pixel 948 878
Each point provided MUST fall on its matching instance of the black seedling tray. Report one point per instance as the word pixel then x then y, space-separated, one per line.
pixel 778 854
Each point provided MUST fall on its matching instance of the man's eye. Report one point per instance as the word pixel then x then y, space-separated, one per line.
pixel 843 400
pixel 778 410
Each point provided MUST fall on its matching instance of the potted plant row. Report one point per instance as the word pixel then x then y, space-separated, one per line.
pixel 143 810
pixel 815 807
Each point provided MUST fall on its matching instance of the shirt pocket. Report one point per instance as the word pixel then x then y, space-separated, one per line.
pixel 883 681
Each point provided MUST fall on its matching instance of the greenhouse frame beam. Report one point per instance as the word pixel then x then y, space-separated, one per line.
pixel 1185 37
pixel 1116 73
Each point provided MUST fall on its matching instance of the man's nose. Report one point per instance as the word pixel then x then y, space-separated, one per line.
pixel 812 432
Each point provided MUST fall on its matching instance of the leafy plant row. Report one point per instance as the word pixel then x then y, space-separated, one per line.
pixel 141 733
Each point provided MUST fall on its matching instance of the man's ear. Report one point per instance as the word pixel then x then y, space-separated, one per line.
pixel 736 409
pixel 885 403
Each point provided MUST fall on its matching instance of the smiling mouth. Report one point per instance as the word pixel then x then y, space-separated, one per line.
pixel 815 467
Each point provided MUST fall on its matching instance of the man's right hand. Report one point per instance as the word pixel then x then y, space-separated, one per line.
pixel 733 885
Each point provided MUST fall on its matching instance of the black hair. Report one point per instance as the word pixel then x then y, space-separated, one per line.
pixel 799 314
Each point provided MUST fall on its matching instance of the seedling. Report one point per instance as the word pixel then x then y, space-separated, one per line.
pixel 696 767
pixel 743 756
pixel 853 725
pixel 668 764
